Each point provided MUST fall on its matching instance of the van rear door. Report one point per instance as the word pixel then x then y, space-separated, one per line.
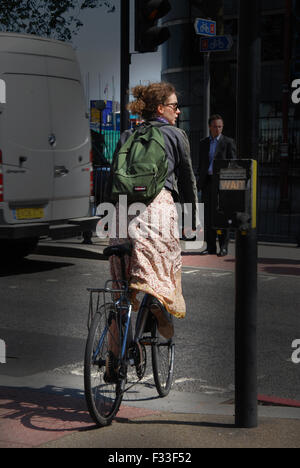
pixel 71 148
pixel 26 152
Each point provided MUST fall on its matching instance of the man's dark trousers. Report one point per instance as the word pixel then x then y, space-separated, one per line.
pixel 210 233
pixel 226 149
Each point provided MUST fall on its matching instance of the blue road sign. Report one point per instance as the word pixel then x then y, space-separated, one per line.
pixel 216 44
pixel 205 27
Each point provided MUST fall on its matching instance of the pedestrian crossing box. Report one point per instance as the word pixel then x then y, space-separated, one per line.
pixel 234 197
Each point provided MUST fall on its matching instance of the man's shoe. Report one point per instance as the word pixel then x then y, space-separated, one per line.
pixel 208 252
pixel 87 242
pixel 223 252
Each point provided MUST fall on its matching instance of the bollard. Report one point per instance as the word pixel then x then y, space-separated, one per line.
pixel 246 329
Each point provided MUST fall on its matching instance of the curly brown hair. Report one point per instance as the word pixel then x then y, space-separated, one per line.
pixel 148 98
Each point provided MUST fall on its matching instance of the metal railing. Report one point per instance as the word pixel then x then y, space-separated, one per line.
pixel 111 138
pixel 279 181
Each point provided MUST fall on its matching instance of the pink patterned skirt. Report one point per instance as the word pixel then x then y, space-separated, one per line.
pixel 155 265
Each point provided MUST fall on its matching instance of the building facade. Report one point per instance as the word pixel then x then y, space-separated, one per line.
pixel 279 117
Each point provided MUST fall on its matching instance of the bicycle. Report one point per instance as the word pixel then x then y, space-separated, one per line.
pixel 110 327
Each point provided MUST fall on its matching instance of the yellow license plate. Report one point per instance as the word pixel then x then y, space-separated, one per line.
pixel 30 213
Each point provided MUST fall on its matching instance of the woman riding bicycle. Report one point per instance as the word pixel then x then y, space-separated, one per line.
pixel 155 264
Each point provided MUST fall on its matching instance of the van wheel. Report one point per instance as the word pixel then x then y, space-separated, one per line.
pixel 17 249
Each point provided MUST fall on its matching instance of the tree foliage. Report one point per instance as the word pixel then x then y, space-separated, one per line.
pixel 59 19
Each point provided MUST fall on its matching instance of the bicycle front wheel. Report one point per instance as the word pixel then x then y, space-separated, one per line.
pixel 163 355
pixel 103 398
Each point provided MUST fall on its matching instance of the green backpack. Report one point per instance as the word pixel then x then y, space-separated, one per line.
pixel 141 166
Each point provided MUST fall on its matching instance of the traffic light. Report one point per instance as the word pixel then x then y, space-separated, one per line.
pixel 148 35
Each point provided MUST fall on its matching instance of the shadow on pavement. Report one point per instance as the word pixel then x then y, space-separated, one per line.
pixel 64 251
pixel 175 422
pixel 28 266
pixel 41 410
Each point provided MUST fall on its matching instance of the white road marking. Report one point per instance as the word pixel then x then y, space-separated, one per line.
pixel 190 272
pixel 214 274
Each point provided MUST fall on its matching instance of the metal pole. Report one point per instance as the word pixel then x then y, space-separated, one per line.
pixel 249 70
pixel 249 59
pixel 125 62
pixel 245 330
pixel 206 94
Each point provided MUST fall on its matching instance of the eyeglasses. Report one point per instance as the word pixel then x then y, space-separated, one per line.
pixel 174 105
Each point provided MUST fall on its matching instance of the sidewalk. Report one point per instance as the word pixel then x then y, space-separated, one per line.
pixel 37 418
pixel 273 259
pixel 32 415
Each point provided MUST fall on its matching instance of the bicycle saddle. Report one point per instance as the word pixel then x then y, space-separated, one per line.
pixel 118 250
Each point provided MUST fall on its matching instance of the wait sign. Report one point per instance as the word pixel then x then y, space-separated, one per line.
pixel 232 185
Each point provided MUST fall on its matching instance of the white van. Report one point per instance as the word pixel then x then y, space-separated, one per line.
pixel 45 150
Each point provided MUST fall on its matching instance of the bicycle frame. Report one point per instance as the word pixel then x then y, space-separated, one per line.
pixel 100 342
pixel 128 308
pixel 142 318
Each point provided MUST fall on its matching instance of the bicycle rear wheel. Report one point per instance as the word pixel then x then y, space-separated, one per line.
pixel 163 355
pixel 103 398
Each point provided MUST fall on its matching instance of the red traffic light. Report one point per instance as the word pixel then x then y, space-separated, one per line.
pixel 156 9
pixel 148 35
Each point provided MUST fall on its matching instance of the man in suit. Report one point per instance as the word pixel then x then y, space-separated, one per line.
pixel 216 146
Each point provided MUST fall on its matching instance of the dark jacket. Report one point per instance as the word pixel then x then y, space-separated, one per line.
pixel 226 149
pixel 180 179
